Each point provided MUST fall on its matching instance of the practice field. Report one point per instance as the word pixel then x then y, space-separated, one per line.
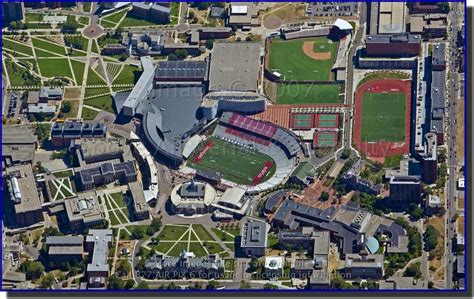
pixel 383 117
pixel 308 93
pixel 232 162
pixel 295 61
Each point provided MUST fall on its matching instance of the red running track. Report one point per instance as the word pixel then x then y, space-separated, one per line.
pixel 379 150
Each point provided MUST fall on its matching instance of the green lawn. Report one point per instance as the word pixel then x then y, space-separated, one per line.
pixel 87 6
pixel 89 114
pixel 178 249
pixel 197 249
pixel 78 69
pixel 118 199
pixel 96 91
pixel 17 47
pixel 54 68
pixel 162 246
pixel 41 53
pixel 383 117
pixel 95 48
pixel 115 17
pixel 223 235
pixel 94 79
pixel 63 174
pixel 288 58
pixel 39 26
pixel 103 103
pixel 212 247
pixel 33 17
pixel 128 75
pixel 19 76
pixel 113 219
pixel 44 45
pixel 84 20
pixel 307 93
pixel 202 233
pixel 231 162
pixel 74 109
pixel 131 21
pixel 172 232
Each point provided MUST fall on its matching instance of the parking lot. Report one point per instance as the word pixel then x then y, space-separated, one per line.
pixel 333 9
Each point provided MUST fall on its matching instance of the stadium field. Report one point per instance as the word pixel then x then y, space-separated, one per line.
pixel 232 162
pixel 383 117
pixel 308 93
pixel 289 59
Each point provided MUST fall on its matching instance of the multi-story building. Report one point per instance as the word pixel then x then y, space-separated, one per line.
pixel 19 144
pixel 140 206
pixel 429 25
pixel 364 266
pixel 254 238
pixel 155 12
pixel 24 194
pixel 430 159
pixel 98 242
pixel 395 45
pixel 12 11
pixel 106 173
pixel 63 133
pixel 65 248
pixel 84 211
pixel 405 189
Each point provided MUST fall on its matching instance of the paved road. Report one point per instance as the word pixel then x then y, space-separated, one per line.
pixel 357 41
pixel 451 142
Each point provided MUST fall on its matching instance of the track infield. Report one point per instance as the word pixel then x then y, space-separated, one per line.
pixel 382 118
pixel 289 59
pixel 232 162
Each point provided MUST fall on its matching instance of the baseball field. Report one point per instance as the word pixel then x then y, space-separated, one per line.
pixel 383 117
pixel 308 93
pixel 308 59
pixel 232 162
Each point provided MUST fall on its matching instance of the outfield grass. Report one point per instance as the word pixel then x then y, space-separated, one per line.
pixel 232 162
pixel 288 58
pixel 88 114
pixel 55 68
pixel 383 117
pixel 307 93
pixel 51 47
pixel 78 69
pixel 103 103
pixel 128 75
pixel 17 47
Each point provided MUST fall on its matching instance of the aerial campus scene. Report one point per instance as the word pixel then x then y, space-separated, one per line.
pixel 290 146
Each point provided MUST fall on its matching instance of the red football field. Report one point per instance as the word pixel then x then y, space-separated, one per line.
pixel 379 150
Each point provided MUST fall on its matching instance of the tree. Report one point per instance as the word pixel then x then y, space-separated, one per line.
pixel 253 263
pixel 123 56
pixel 191 15
pixel 181 53
pixel 431 238
pixel 32 269
pixel 455 217
pixel 212 285
pixel 143 285
pixel 172 57
pixel 416 213
pixel 115 283
pixel 124 266
pixel 270 286
pixel 413 271
pixel 155 225
pixel 244 285
pixel 138 232
pixel 130 283
pixel 210 43
pixel 47 281
pixel 70 27
pixel 42 131
pixel 346 153
pixel 324 196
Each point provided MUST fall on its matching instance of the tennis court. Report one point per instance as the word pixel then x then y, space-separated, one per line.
pixel 325 139
pixel 302 121
pixel 327 121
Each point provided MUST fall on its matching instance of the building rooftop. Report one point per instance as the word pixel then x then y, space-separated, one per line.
pixel 143 85
pixel 85 208
pixel 92 147
pixel 394 38
pixel 18 135
pixel 370 260
pixel 179 70
pixel 23 190
pixel 139 201
pixel 254 234
pixel 64 240
pixel 66 250
pixel 234 66
pixel 439 54
pixel 102 239
pixel 391 17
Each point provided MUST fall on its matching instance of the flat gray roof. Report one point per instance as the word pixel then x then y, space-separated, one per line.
pixel 143 85
pixel 254 234
pixel 393 38
pixel 18 135
pixel 196 70
pixel 439 52
pixel 30 200
pixel 64 240
pixel 234 66
pixel 65 250
pixel 101 238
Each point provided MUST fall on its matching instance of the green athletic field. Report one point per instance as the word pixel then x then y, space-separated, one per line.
pixel 307 93
pixel 231 162
pixel 383 117
pixel 288 58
